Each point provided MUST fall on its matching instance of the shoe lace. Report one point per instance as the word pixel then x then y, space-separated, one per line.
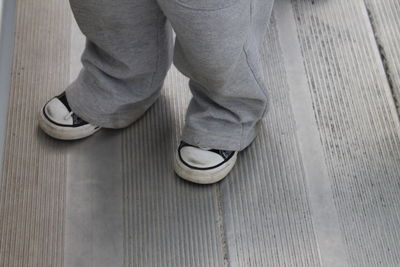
pixel 69 115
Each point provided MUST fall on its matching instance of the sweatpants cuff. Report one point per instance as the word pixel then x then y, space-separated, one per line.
pixel 217 141
pixel 85 112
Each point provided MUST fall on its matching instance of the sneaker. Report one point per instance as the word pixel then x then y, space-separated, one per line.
pixel 203 165
pixel 57 120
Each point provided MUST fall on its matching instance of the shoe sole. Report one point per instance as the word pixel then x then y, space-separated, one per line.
pixel 203 176
pixel 64 133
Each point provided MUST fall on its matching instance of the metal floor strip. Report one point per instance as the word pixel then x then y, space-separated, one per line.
pixel 384 17
pixel 7 28
pixel 168 221
pixel 94 230
pixel 32 185
pixel 324 215
pixel 358 125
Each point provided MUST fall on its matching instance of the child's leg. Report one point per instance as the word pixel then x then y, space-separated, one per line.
pixel 128 53
pixel 217 46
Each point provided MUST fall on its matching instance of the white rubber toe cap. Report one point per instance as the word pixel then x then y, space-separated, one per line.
pixel 200 158
pixel 56 120
pixel 202 166
pixel 58 112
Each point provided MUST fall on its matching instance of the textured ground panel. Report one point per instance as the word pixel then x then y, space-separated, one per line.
pixel 7 30
pixel 358 126
pixel 113 200
pixel 168 222
pixel 32 185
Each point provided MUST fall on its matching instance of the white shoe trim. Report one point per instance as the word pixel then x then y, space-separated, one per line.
pixel 65 133
pixel 208 176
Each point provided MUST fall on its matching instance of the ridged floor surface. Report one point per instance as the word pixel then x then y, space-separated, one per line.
pixel 385 20
pixel 318 187
pixel 358 125
pixel 32 186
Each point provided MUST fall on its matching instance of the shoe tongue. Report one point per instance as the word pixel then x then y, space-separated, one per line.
pixel 63 99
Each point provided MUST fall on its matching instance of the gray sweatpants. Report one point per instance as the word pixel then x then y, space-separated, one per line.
pixel 130 48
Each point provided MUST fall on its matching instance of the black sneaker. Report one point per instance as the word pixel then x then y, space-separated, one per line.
pixel 57 120
pixel 203 165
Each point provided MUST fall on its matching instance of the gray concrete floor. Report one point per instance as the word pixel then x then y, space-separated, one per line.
pixel 319 187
